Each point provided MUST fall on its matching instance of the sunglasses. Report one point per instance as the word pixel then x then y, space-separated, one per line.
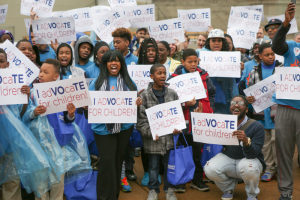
pixel 240 103
pixel 272 27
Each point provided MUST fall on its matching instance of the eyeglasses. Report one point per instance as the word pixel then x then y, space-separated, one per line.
pixel 272 27
pixel 240 103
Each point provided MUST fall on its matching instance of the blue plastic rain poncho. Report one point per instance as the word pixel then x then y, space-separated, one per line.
pixel 21 156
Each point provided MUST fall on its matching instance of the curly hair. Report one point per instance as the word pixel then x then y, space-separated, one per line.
pixel 122 33
pixel 148 42
pixel 225 46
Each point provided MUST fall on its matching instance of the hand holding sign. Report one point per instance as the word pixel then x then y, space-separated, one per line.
pixel 250 99
pixel 39 110
pixel 241 136
pixel 25 89
pixel 71 110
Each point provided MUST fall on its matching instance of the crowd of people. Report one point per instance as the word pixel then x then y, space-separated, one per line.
pixel 45 154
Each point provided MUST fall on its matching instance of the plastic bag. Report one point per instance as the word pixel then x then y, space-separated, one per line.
pixel 25 159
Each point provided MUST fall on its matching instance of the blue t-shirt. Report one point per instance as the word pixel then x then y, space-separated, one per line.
pixel 101 129
pixel 47 53
pixel 131 59
pixel 291 59
pixel 86 68
pixel 92 71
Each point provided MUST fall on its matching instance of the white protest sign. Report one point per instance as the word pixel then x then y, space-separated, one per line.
pixel 58 14
pixel 56 95
pixel 263 92
pixel 140 74
pixel 17 59
pixel 98 10
pixel 105 25
pixel 113 107
pixel 42 8
pixel 3 13
pixel 195 20
pixel 169 30
pixel 259 8
pixel 294 26
pixel 11 81
pixel 82 17
pixel 188 86
pixel 221 63
pixel 48 29
pixel 27 22
pixel 214 128
pixel 288 83
pixel 243 24
pixel 121 3
pixel 164 118
pixel 140 16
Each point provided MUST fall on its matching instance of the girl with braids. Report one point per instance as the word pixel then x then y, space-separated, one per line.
pixel 112 139
pixel 148 53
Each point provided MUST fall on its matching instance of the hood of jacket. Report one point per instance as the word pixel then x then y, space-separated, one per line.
pixel 83 39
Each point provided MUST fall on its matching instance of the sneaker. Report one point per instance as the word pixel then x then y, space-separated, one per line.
pixel 152 195
pixel 227 195
pixel 170 195
pixel 125 185
pixel 266 177
pixel 145 180
pixel 130 175
pixel 179 189
pixel 201 186
pixel 286 197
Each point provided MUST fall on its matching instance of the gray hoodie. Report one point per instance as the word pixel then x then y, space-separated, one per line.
pixel 81 40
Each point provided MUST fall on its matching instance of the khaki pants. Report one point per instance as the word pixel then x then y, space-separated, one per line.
pixel 269 151
pixel 11 190
pixel 56 192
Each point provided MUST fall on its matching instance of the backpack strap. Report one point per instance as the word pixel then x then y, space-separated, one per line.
pixel 247 124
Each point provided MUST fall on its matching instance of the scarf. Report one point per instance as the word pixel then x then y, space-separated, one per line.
pixel 114 127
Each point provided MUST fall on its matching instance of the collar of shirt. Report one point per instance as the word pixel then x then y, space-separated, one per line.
pixel 243 122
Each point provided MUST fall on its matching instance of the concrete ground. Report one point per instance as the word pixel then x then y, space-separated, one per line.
pixel 269 190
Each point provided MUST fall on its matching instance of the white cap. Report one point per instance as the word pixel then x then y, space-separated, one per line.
pixel 216 33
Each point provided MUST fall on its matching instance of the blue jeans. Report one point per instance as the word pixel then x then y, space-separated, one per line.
pixel 225 172
pixel 153 169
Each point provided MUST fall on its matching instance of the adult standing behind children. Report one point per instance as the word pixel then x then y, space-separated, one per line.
pixel 287 126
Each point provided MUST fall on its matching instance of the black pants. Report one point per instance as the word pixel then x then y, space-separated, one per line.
pixel 197 154
pixel 111 149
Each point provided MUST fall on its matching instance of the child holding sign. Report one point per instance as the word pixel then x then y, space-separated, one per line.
pixel 61 139
pixel 112 139
pixel 190 63
pixel 155 94
pixel 265 69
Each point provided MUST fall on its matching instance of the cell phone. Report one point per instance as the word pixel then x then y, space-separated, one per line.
pixel 293 1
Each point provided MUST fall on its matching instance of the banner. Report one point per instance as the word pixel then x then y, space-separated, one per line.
pixel 3 13
pixel 121 3
pixel 17 59
pixel 83 18
pixel 263 92
pixel 98 10
pixel 169 30
pixel 221 63
pixel 195 20
pixel 48 29
pixel 288 83
pixel 140 74
pixel 214 128
pixel 113 107
pixel 140 16
pixel 56 95
pixel 294 26
pixel 43 8
pixel 188 86
pixel 105 25
pixel 164 118
pixel 243 24
pixel 11 81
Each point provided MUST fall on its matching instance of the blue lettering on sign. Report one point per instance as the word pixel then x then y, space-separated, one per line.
pixel 75 16
pixel 146 73
pixel 218 59
pixel 233 59
pixel 86 15
pixel 256 17
pixel 49 2
pixel 240 32
pixel 296 77
pixel 179 84
pixel 263 89
pixel 116 15
pixel 137 12
pixel 244 15
pixel 205 15
pixel 16 61
pixel 177 24
pixel 163 27
pixel 106 22
pixel 52 25
pixel 159 114
pixel 211 122
pixel 150 11
pixel 192 16
pixel 194 80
